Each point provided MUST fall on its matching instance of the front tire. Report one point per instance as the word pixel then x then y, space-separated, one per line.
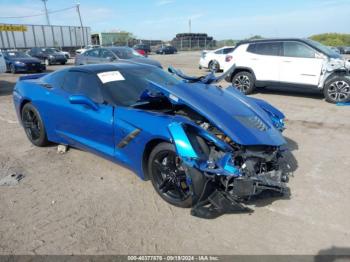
pixel 167 176
pixel 244 81
pixel 33 125
pixel 337 90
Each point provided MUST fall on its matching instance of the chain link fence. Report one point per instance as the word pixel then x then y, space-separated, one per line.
pixel 181 44
pixel 193 44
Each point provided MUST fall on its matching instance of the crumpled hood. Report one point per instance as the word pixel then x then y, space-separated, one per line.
pixel 238 116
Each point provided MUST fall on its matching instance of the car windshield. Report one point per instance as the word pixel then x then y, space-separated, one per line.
pixel 48 50
pixel 125 53
pixel 132 84
pixel 16 55
pixel 324 49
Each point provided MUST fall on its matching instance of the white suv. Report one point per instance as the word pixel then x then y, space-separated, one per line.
pixel 214 60
pixel 301 62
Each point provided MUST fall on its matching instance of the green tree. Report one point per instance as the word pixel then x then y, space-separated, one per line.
pixel 332 39
pixel 255 37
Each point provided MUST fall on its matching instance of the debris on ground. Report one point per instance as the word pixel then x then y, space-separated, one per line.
pixel 62 149
pixel 11 180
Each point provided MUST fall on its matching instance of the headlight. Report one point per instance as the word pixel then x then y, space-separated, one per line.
pixel 51 56
pixel 20 63
pixel 278 122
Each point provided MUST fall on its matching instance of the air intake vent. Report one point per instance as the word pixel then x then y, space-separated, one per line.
pixel 252 122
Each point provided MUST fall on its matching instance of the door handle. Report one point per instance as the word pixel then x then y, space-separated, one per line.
pixel 287 61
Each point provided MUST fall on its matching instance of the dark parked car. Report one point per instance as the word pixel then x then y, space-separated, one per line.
pixel 346 50
pixel 143 47
pixel 48 55
pixel 166 50
pixel 17 61
pixel 341 49
pixel 111 55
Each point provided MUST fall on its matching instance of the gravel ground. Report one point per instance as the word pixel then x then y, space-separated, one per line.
pixel 79 203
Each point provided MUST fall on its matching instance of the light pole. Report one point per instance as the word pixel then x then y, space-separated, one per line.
pixel 46 12
pixel 81 26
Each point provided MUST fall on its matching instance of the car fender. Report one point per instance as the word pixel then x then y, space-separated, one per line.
pixel 153 126
pixel 333 68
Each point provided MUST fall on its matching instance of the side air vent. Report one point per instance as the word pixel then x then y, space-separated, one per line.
pixel 252 122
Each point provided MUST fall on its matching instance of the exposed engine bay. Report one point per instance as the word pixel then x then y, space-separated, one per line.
pixel 232 173
pixel 235 174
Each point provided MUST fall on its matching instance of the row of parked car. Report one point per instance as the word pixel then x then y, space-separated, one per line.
pixel 36 59
pixel 142 49
pixel 100 55
pixel 291 62
pixel 33 60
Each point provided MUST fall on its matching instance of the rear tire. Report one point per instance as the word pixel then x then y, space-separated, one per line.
pixel 63 63
pixel 244 81
pixel 214 66
pixel 33 125
pixel 337 90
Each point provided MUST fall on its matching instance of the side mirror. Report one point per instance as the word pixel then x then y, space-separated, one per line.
pixel 83 100
pixel 171 70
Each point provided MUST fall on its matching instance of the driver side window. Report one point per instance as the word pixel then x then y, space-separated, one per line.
pixel 81 83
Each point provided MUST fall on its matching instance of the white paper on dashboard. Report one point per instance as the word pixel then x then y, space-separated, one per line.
pixel 111 76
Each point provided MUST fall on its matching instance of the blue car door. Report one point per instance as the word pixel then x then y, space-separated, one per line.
pixel 76 122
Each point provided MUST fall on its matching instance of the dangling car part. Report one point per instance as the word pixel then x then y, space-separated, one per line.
pixel 202 146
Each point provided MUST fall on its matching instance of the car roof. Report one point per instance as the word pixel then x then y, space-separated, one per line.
pixel 270 40
pixel 99 68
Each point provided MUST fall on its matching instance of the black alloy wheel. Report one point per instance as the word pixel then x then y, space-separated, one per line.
pixel 168 177
pixel 33 125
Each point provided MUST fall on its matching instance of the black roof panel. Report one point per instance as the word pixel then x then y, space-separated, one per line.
pixel 270 40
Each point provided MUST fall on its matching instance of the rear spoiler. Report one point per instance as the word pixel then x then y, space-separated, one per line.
pixel 33 76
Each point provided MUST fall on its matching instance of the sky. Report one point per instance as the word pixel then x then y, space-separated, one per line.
pixel 163 19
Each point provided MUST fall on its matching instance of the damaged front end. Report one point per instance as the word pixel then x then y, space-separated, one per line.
pixel 232 173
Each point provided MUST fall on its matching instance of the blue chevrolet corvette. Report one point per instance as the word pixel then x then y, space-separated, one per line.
pixel 202 146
